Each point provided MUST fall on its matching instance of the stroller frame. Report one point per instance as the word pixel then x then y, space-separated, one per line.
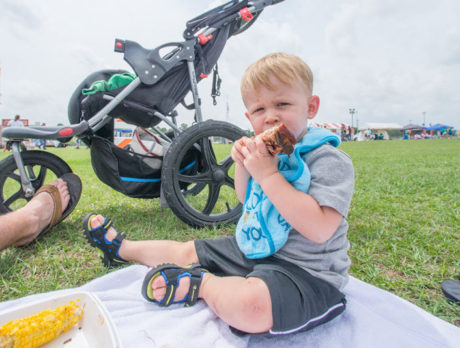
pixel 149 67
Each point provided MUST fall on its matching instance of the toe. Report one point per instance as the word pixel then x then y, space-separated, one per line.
pixel 159 289
pixel 61 185
pixel 97 221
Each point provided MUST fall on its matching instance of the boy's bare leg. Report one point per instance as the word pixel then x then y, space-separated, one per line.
pixel 243 303
pixel 152 252
pixel 22 226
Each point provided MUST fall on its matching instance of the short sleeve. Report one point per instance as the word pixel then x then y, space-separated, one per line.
pixel 332 178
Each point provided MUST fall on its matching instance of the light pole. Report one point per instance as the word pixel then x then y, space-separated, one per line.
pixel 352 111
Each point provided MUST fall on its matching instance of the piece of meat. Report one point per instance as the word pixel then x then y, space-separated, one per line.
pixel 278 140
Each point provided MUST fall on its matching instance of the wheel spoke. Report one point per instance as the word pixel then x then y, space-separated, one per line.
pixel 14 176
pixel 207 153
pixel 229 181
pixel 196 189
pixel 192 179
pixel 13 198
pixel 30 171
pixel 226 163
pixel 38 182
pixel 214 190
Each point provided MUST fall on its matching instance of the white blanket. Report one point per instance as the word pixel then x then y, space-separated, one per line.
pixel 373 318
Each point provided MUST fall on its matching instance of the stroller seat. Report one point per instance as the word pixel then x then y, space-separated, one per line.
pixel 163 95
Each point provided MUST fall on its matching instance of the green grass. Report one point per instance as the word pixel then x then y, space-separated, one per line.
pixel 404 225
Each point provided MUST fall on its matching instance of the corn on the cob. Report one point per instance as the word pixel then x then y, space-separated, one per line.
pixel 40 328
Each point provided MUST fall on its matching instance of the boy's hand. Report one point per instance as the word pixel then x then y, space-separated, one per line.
pixel 257 160
pixel 237 154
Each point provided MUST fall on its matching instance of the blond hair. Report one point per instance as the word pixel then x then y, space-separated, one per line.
pixel 284 67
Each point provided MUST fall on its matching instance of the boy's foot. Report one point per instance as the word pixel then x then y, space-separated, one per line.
pixel 159 289
pixel 97 221
pixel 169 284
pixel 101 234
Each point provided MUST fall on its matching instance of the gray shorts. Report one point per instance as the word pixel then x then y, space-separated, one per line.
pixel 299 300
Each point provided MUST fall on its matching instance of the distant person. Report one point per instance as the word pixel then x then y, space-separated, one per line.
pixel 42 142
pixel 16 122
pixel 368 134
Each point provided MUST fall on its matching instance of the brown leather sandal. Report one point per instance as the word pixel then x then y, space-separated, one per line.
pixel 55 195
pixel 74 187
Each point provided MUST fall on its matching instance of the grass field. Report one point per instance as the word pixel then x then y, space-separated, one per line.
pixel 404 225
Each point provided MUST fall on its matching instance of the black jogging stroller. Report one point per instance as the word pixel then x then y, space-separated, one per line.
pixel 192 172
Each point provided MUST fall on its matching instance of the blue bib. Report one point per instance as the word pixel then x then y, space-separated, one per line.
pixel 261 230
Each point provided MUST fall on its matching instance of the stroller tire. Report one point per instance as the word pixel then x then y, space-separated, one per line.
pixel 41 167
pixel 206 196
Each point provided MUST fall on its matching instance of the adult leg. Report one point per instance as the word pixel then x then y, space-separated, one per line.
pixel 22 226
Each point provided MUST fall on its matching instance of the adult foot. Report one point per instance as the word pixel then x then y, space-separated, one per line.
pixel 39 212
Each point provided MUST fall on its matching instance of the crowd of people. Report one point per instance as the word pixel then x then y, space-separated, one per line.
pixel 424 134
pixel 346 133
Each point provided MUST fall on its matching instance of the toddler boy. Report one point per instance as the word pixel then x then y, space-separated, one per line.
pixel 284 269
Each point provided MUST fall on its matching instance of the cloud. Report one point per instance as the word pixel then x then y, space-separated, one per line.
pixel 390 60
pixel 16 16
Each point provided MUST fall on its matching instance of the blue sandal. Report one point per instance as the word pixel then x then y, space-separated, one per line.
pixel 172 274
pixel 109 249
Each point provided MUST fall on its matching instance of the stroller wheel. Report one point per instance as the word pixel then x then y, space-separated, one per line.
pixel 197 175
pixel 41 167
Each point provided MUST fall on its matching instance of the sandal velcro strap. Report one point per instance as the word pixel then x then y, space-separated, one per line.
pixel 172 275
pixel 119 238
pixel 195 282
pixel 170 293
pixel 107 224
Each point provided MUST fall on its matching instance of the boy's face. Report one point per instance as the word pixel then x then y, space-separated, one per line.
pixel 290 105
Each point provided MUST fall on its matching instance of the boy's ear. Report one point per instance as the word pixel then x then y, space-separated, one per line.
pixel 313 106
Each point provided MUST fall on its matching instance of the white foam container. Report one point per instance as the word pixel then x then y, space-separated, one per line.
pixel 95 329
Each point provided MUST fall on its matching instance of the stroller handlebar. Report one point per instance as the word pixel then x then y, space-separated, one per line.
pixel 224 14
pixel 42 132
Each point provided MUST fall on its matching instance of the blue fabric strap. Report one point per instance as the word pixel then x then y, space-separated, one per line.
pixel 261 230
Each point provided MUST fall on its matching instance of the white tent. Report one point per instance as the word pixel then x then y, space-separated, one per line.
pixel 377 129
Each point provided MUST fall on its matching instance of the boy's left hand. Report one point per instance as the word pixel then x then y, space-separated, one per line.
pixel 258 161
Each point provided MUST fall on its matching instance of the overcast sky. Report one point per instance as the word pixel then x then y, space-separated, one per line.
pixel 391 60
